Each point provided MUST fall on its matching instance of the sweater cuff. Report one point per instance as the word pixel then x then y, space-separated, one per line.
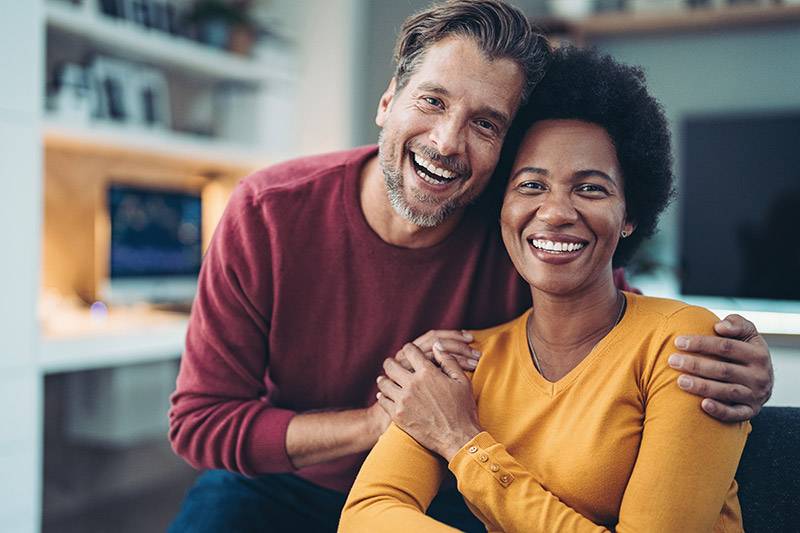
pixel 482 456
pixel 264 451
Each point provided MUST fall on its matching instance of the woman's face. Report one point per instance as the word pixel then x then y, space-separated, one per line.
pixel 564 206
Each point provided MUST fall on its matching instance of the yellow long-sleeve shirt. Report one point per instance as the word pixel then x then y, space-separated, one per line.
pixel 614 444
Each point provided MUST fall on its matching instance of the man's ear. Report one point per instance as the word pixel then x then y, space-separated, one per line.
pixel 385 103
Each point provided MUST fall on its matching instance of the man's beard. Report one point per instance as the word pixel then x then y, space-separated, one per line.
pixel 393 177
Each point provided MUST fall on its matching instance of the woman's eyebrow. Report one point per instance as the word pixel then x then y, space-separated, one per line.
pixel 593 172
pixel 531 170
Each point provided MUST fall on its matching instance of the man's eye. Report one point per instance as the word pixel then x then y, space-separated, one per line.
pixel 485 124
pixel 432 101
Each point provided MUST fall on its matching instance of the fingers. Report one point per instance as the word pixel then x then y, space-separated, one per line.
pixel 425 341
pixel 388 388
pixel 714 390
pixel 396 372
pixel 449 365
pixel 732 350
pixel 710 368
pixel 728 413
pixel 738 327
pixel 386 404
pixel 457 348
pixel 416 357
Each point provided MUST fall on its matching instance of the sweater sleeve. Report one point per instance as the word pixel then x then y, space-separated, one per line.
pixel 682 476
pixel 220 416
pixel 394 488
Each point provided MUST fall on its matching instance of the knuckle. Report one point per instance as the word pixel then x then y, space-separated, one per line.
pixel 726 346
pixel 701 387
pixel 723 371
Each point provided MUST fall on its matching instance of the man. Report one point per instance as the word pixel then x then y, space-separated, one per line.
pixel 322 267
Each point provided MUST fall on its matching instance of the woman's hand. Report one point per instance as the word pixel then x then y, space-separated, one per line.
pixel 452 342
pixel 433 404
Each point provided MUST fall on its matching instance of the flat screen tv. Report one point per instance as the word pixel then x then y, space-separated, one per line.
pixel 740 206
pixel 155 244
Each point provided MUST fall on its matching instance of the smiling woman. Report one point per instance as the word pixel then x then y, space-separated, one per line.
pixel 572 420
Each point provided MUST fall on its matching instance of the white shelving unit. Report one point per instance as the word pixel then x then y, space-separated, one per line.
pixel 138 43
pixel 109 137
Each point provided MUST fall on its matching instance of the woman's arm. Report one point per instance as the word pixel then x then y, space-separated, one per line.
pixel 681 478
pixel 394 488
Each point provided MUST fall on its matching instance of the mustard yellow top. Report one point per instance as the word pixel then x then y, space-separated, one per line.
pixel 614 444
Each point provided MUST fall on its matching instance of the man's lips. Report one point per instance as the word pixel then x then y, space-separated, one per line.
pixel 435 173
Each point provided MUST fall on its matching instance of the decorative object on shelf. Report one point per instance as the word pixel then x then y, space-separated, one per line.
pixel 160 15
pixel 648 6
pixel 68 99
pixel 128 93
pixel 571 8
pixel 224 24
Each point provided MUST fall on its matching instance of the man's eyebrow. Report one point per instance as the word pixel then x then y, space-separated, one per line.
pixel 489 111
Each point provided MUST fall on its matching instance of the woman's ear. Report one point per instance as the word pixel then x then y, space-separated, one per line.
pixel 628 228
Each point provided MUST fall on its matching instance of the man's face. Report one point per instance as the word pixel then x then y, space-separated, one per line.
pixel 442 133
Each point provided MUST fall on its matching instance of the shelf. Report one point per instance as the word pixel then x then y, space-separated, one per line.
pixel 138 43
pixel 681 21
pixel 76 341
pixel 194 151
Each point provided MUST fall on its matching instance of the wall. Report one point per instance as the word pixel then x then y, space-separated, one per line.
pixel 20 229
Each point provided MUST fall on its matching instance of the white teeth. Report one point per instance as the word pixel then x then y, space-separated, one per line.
pixel 429 179
pixel 433 169
pixel 551 246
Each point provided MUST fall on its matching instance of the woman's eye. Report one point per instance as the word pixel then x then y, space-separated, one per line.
pixel 530 186
pixel 592 188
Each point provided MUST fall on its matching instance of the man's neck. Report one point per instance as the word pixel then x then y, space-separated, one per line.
pixel 387 223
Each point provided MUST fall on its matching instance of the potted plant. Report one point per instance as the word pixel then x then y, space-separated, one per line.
pixel 224 24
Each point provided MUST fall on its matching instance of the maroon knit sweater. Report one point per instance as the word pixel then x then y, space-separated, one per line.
pixel 298 304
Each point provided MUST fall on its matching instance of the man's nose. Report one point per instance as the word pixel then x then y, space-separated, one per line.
pixel 448 135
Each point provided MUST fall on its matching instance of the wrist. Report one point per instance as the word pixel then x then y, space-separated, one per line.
pixel 458 440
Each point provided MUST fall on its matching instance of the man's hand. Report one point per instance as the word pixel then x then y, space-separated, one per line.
pixel 433 404
pixel 737 386
pixel 454 343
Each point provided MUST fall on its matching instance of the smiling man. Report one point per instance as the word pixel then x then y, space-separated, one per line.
pixel 322 267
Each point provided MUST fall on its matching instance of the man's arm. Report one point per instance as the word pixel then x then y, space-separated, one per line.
pixel 733 372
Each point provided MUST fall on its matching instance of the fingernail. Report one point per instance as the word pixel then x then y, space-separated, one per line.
pixel 684 382
pixel 675 361
pixel 378 396
pixel 378 379
pixel 725 324
pixel 438 345
pixel 709 406
pixel 682 343
pixel 467 336
pixel 476 353
pixel 472 363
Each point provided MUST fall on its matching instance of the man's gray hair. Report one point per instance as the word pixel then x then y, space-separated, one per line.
pixel 500 30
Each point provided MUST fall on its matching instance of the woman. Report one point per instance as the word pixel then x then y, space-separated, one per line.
pixel 579 425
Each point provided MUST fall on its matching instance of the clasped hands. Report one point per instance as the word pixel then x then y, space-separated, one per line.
pixel 428 395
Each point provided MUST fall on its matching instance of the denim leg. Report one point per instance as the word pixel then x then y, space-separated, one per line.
pixel 222 501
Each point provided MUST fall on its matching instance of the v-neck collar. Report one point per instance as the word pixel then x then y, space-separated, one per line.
pixel 553 388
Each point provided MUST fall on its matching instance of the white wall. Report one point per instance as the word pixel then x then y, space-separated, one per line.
pixel 21 42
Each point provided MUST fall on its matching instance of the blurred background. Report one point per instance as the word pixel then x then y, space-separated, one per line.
pixel 125 124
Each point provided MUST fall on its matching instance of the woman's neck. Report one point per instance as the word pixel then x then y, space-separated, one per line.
pixel 564 329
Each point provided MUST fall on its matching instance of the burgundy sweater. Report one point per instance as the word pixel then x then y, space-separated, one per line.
pixel 299 302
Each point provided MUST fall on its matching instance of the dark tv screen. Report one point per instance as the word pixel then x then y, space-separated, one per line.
pixel 154 232
pixel 740 206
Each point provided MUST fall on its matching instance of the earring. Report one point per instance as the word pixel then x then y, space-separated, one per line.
pixel 624 234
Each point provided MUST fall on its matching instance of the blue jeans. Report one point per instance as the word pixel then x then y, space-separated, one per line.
pixel 222 501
